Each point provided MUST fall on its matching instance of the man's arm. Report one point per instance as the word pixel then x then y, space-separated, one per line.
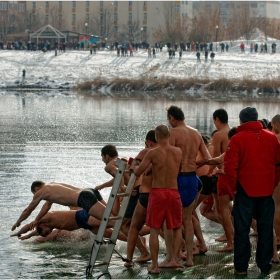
pixel 44 210
pixel 139 170
pixel 27 236
pixel 26 212
pixel 24 229
pixel 172 139
pixel 205 155
pixel 105 185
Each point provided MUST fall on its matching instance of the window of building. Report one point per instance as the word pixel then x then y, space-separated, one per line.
pixel 21 7
pixel 145 3
pixel 60 4
pixel 101 30
pixel 115 29
pixel 46 18
pixel 4 6
pixel 254 5
pixel 33 5
pixel 73 4
pixel 87 4
pixel 60 17
pixel 47 5
pixel 87 17
pixel 130 3
pixel 73 17
pixel 129 16
pixel 73 28
pixel 101 16
pixel 129 29
pixel 145 16
pixel 145 29
pixel 262 5
pixel 177 9
pixel 101 3
pixel 116 3
pixel 115 16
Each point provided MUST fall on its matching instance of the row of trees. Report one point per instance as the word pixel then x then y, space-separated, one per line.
pixel 202 27
pixel 208 25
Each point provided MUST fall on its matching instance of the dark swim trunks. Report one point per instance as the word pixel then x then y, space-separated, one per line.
pixel 208 184
pixel 132 203
pixel 187 187
pixel 87 199
pixel 144 199
pixel 98 194
pixel 81 218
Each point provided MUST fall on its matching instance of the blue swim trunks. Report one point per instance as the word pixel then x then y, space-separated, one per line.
pixel 187 187
pixel 81 218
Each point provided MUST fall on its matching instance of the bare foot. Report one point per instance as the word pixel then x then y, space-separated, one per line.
pixel 254 233
pixel 221 239
pixel 128 264
pixel 227 248
pixel 196 251
pixel 188 263
pixel 153 269
pixel 183 255
pixel 143 258
pixel 172 264
pixel 164 263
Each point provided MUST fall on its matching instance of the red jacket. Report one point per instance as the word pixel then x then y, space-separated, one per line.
pixel 250 158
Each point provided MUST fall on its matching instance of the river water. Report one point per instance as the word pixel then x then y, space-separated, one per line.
pixel 57 137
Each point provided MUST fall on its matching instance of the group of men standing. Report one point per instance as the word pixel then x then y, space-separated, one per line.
pixel 167 187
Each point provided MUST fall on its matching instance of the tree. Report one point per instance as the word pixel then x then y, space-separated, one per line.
pixel 131 32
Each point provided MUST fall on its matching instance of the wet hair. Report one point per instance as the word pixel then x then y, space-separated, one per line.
pixel 221 114
pixel 35 184
pixel 109 150
pixel 269 126
pixel 276 119
pixel 263 124
pixel 232 132
pixel 205 139
pixel 151 135
pixel 176 112
pixel 213 132
pixel 162 131
pixel 39 229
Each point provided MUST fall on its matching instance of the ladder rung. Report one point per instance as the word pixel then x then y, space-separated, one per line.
pixel 99 264
pixel 127 171
pixel 122 194
pixel 115 218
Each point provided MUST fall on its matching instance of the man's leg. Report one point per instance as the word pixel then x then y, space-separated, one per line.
pixel 97 211
pixel 154 247
pixel 189 232
pixel 137 222
pixel 242 213
pixel 198 233
pixel 264 215
pixel 226 222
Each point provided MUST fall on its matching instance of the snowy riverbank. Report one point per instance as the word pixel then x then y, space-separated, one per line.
pixel 66 70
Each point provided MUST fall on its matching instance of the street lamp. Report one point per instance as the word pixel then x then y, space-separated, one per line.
pixel 217 27
pixel 32 13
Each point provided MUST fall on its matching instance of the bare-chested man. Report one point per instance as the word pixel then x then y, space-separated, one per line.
pixel 164 200
pixel 275 123
pixel 190 142
pixel 65 220
pixel 220 142
pixel 140 212
pixel 109 155
pixel 63 194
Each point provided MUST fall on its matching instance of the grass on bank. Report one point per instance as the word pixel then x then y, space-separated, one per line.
pixel 150 83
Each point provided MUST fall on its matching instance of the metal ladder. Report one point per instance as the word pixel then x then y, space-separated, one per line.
pixel 103 265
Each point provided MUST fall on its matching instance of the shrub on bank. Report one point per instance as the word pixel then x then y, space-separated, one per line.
pixel 154 83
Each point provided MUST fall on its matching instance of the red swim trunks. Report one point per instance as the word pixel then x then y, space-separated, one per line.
pixel 164 204
pixel 223 187
pixel 209 200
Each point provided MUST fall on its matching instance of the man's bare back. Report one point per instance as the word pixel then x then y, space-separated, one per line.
pixel 190 142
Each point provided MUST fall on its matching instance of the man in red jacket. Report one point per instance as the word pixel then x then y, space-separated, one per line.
pixel 250 168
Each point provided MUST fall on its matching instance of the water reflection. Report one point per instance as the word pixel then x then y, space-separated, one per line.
pixel 59 139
